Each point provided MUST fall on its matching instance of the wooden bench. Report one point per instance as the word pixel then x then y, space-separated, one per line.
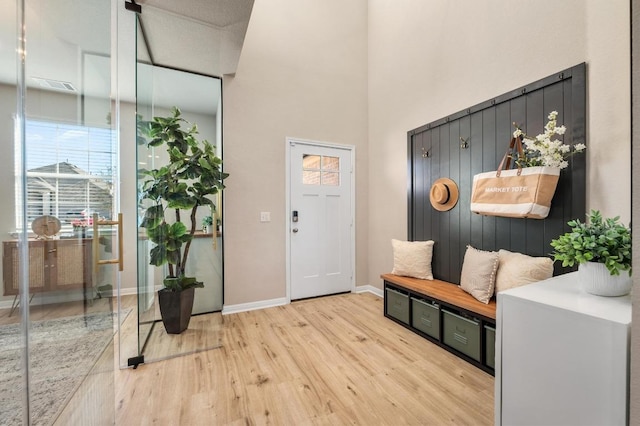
pixel 445 292
pixel 445 314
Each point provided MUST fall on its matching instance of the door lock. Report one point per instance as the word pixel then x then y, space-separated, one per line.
pixel 294 216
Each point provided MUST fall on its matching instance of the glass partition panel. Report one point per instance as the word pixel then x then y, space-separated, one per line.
pixel 198 99
pixel 13 330
pixel 159 90
pixel 58 332
pixel 145 157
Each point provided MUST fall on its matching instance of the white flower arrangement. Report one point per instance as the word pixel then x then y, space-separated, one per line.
pixel 543 150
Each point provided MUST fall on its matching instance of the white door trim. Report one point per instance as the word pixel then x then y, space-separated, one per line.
pixel 288 142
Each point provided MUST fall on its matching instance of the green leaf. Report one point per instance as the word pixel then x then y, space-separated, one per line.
pixel 600 240
pixel 178 201
pixel 205 164
pixel 153 216
pixel 158 255
pixel 172 283
pixel 181 283
pixel 177 230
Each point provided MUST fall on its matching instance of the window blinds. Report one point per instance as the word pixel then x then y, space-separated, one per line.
pixel 70 171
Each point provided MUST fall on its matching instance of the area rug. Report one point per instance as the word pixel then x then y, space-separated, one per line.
pixel 62 353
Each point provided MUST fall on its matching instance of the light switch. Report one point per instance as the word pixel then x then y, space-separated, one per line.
pixel 265 216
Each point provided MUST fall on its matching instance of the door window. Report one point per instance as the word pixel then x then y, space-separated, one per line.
pixel 320 170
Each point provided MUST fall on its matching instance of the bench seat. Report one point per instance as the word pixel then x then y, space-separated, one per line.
pixel 446 315
pixel 446 292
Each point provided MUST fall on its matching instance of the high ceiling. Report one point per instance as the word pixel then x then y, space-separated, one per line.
pixel 70 41
pixel 196 35
pixel 199 36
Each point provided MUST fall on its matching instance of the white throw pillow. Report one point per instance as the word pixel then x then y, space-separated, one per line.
pixel 412 258
pixel 478 276
pixel 517 269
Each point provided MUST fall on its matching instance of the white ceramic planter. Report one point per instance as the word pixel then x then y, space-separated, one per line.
pixel 596 279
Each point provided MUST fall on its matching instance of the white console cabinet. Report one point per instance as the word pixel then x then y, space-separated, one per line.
pixel 562 355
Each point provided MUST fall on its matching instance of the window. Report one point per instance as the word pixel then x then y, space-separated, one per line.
pixel 320 170
pixel 70 171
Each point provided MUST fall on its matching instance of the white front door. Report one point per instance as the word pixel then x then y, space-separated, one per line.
pixel 320 219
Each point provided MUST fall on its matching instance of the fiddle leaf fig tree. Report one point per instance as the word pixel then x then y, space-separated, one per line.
pixel 193 173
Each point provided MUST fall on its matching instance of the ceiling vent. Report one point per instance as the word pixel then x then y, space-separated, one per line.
pixel 55 84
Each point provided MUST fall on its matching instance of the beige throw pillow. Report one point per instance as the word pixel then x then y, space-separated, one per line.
pixel 412 258
pixel 478 275
pixel 517 269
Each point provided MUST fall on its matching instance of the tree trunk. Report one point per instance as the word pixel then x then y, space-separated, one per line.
pixel 187 246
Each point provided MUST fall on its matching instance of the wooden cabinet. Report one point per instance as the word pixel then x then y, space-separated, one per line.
pixel 53 265
pixel 562 355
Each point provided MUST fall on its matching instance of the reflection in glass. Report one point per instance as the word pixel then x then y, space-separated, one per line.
pixel 133 338
pixel 320 170
pixel 310 177
pixel 330 163
pixel 61 324
pixel 198 97
pixel 311 162
pixel 330 178
pixel 70 172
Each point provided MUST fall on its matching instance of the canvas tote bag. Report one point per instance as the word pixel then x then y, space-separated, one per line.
pixel 521 192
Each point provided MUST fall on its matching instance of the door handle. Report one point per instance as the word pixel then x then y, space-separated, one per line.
pixel 95 241
pixel 294 230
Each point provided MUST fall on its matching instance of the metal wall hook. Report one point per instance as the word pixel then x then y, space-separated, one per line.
pixel 427 153
pixel 464 143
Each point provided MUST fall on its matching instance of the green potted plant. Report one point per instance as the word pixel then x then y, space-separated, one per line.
pixel 207 222
pixel 602 250
pixel 177 189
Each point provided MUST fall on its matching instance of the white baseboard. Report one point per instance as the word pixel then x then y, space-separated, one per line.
pixel 67 296
pixel 5 304
pixel 129 291
pixel 263 304
pixel 48 298
pixel 370 289
pixel 252 306
pixel 226 309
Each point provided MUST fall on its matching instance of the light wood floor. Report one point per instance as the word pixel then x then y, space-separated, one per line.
pixel 204 332
pixel 333 360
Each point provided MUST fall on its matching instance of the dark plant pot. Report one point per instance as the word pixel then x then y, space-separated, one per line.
pixel 175 309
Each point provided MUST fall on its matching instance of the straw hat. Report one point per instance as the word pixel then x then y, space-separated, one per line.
pixel 443 194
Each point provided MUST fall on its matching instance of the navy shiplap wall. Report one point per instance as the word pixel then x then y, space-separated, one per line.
pixel 434 151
